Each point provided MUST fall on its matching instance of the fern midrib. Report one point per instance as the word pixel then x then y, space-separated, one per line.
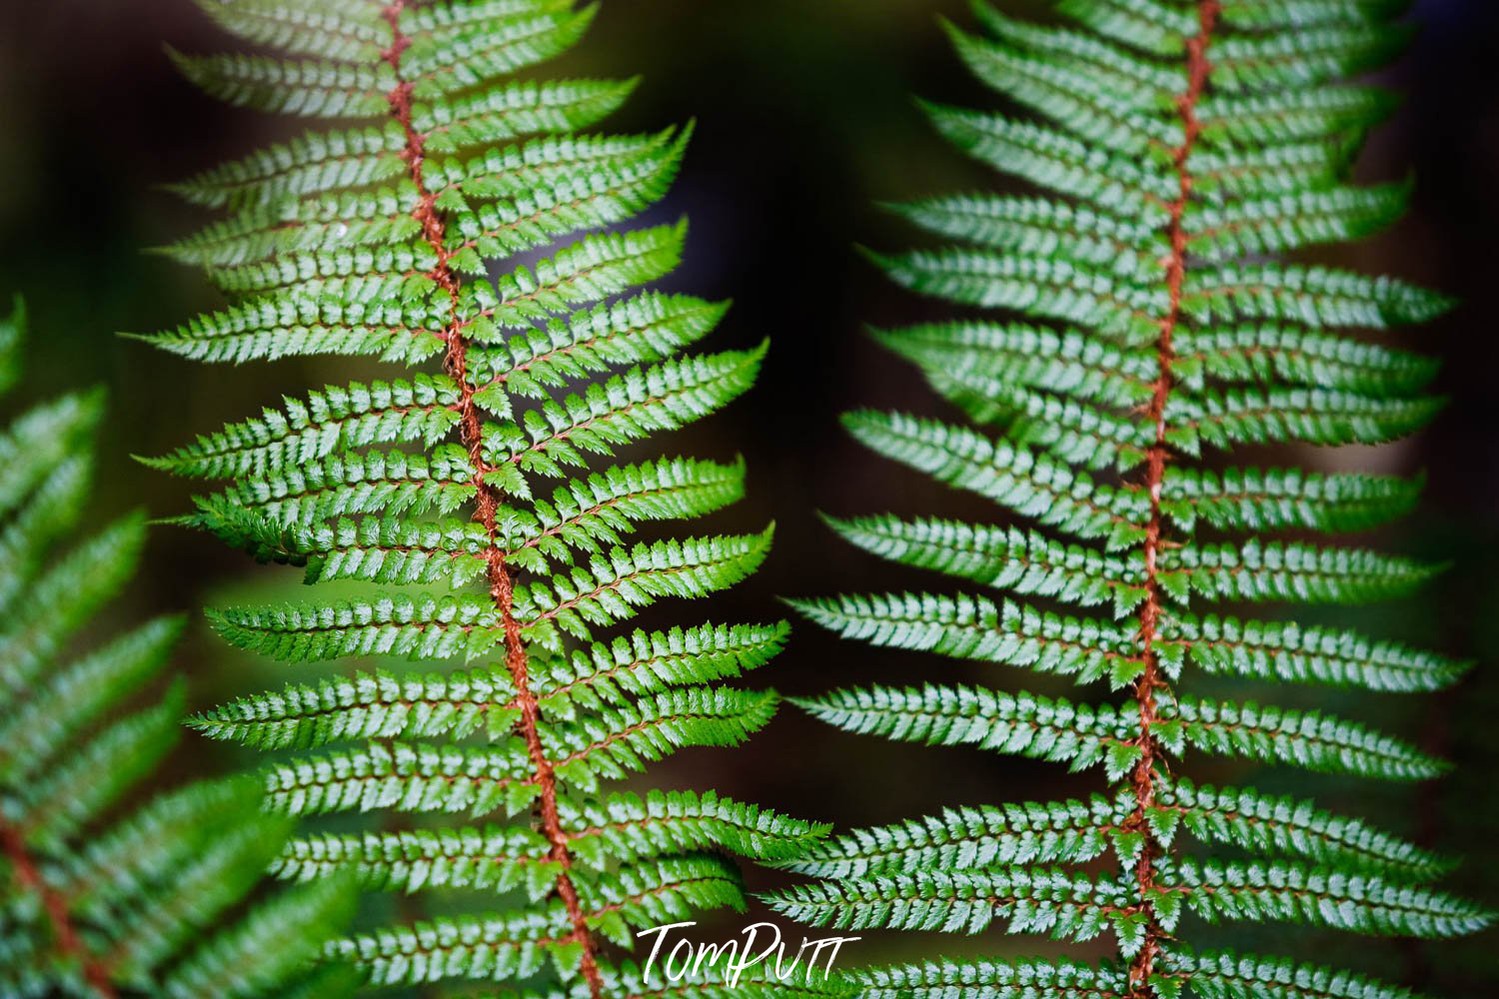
pixel 29 876
pixel 487 501
pixel 1151 681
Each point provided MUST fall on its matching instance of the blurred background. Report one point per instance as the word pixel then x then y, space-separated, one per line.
pixel 804 123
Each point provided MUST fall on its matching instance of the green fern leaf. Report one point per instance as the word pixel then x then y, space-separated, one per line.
pixel 479 498
pixel 1132 311
pixel 101 895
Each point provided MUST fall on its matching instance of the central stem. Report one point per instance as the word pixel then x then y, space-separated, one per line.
pixel 28 877
pixel 1151 681
pixel 486 507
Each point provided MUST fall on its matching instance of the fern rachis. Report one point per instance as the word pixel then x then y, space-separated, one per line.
pixel 373 239
pixel 1182 149
pixel 487 500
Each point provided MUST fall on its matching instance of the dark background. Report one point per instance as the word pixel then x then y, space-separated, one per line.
pixel 804 123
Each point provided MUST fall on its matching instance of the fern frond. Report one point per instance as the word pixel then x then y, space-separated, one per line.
pixel 1287 571
pixel 480 498
pixel 629 826
pixel 368 706
pixel 351 483
pixel 338 321
pixel 523 944
pixel 1133 312
pixel 613 587
pixel 406 777
pixel 1261 354
pixel 1307 739
pixel 101 896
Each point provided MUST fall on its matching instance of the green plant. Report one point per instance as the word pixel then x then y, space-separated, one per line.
pixel 92 904
pixel 425 495
pixel 1192 144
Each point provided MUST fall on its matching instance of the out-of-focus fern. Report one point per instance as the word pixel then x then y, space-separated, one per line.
pixel 1185 146
pixel 94 902
pixel 454 501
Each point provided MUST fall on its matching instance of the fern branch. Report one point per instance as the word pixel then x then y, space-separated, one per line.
pixel 28 878
pixel 1179 149
pixel 94 906
pixel 375 239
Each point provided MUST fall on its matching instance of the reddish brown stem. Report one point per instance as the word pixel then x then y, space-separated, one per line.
pixel 486 507
pixel 30 879
pixel 1152 683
